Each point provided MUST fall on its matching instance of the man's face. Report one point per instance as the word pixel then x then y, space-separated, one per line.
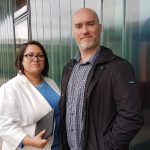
pixel 86 30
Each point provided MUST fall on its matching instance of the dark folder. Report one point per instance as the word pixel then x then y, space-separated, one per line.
pixel 47 122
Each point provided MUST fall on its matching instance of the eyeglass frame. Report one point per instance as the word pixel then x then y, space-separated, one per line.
pixel 37 56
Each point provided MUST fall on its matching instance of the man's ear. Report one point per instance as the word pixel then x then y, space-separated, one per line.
pixel 100 28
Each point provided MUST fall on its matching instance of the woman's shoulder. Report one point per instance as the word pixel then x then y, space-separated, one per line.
pixel 9 87
pixel 13 82
pixel 10 82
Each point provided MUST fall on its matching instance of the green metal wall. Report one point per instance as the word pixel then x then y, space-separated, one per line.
pixel 126 29
pixel 7 55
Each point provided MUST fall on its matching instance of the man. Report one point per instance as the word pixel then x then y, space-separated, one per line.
pixel 100 105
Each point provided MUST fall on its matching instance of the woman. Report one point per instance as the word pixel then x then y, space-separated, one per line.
pixel 27 98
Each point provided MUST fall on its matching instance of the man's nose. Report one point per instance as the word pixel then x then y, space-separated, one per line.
pixel 85 30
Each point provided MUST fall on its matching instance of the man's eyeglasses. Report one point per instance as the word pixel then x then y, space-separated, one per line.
pixel 32 57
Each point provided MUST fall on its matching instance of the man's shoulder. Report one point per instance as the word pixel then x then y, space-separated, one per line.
pixel 69 64
pixel 117 57
pixel 121 64
pixel 114 60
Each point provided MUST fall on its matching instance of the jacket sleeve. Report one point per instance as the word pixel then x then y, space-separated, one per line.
pixel 10 129
pixel 129 118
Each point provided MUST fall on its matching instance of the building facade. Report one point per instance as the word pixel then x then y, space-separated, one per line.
pixel 126 30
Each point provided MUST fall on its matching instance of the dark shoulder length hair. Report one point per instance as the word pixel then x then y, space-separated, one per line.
pixel 19 59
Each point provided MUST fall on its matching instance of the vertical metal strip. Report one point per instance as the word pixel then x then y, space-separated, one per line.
pixel 124 31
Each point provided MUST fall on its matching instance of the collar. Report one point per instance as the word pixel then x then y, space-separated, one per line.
pixel 91 60
pixel 105 55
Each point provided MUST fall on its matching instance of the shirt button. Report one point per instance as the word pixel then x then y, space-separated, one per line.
pixel 101 67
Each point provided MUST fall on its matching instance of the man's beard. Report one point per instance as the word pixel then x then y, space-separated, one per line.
pixel 89 44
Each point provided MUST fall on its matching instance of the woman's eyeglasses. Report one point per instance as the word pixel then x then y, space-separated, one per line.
pixel 32 57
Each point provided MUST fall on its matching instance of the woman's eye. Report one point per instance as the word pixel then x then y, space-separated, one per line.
pixel 30 55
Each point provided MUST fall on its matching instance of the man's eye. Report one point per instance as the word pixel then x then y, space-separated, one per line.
pixel 77 26
pixel 40 56
pixel 91 24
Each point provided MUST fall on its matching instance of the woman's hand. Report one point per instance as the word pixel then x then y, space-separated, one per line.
pixel 36 141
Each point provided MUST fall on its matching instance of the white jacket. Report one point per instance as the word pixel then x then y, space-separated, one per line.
pixel 21 106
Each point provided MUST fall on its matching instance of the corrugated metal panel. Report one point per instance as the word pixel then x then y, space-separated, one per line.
pixel 7 56
pixel 126 29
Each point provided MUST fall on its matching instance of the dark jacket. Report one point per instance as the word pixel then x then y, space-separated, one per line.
pixel 112 104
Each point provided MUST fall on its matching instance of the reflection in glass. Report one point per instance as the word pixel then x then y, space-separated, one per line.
pixel 137 52
pixel 7 57
pixel 21 8
pixel 21 33
pixel 20 4
pixel 113 25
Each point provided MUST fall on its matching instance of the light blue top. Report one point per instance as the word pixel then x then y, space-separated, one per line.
pixel 53 99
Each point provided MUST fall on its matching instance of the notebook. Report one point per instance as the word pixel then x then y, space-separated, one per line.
pixel 47 122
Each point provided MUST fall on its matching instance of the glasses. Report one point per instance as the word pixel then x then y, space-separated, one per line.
pixel 32 57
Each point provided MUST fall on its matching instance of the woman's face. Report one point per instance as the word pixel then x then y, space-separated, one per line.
pixel 33 60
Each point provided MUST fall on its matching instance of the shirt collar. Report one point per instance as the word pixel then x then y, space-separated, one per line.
pixel 91 60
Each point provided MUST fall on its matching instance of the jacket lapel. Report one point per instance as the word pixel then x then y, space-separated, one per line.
pixel 93 78
pixel 104 57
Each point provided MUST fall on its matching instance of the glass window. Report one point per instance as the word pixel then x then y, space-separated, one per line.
pixel 20 8
pixel 20 4
pixel 21 22
pixel 113 26
pixel 21 33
